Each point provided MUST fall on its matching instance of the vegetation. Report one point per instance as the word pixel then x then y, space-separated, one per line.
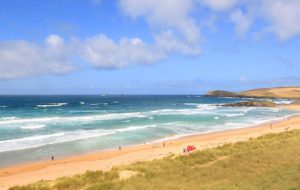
pixel 276 92
pixel 221 93
pixel 268 162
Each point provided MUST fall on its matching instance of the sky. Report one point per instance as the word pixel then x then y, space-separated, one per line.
pixel 147 46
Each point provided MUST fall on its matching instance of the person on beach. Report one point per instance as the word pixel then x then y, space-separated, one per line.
pixel 287 128
pixel 164 144
pixel 120 148
pixel 52 158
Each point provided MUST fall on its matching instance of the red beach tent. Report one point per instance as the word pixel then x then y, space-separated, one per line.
pixel 190 148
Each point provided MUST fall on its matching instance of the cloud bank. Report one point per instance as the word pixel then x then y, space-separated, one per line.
pixel 175 26
pixel 22 59
pixel 104 53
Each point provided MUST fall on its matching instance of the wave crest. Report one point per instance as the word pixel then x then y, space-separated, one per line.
pixel 42 140
pixel 51 105
pixel 32 127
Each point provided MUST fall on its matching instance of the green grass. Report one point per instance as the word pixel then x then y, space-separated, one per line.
pixel 268 162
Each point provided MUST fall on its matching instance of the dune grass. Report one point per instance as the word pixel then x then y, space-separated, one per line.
pixel 268 162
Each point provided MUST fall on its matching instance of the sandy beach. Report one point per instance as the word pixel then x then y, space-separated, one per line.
pixel 105 160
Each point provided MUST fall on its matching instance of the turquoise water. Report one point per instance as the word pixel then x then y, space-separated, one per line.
pixel 37 127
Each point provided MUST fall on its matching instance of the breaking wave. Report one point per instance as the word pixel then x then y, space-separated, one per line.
pixel 41 140
pixel 90 118
pixel 32 127
pixel 51 105
pixel 202 106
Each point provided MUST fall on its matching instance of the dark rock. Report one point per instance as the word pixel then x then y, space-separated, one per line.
pixel 251 104
pixel 221 93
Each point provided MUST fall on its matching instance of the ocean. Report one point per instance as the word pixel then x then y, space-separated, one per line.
pixel 34 128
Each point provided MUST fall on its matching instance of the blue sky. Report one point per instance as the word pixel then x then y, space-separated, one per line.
pixel 147 47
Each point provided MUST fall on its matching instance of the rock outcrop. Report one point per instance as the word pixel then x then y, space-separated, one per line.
pixel 221 93
pixel 251 104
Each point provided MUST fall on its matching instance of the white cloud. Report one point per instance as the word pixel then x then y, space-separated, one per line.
pixel 174 26
pixel 168 42
pixel 174 31
pixel 21 58
pixel 54 41
pixel 104 53
pixel 220 5
pixel 242 22
pixel 167 15
pixel 183 29
pixel 284 16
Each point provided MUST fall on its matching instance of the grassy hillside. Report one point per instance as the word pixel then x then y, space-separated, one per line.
pixel 278 92
pixel 269 162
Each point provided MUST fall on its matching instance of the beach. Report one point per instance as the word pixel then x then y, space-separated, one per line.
pixel 147 95
pixel 105 160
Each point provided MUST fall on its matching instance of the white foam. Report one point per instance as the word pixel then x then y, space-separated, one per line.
pixel 32 127
pixel 216 128
pixel 234 114
pixel 207 106
pixel 216 118
pixel 133 128
pixel 89 118
pixel 283 101
pixel 202 106
pixel 276 110
pixel 179 111
pixel 7 118
pixel 51 105
pixel 3 106
pixel 97 104
pixel 82 103
pixel 247 109
pixel 42 140
pixel 190 104
pixel 228 97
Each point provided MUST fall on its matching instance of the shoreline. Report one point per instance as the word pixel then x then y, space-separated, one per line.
pixel 152 142
pixel 23 174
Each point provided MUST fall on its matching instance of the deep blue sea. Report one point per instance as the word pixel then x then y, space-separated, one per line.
pixel 37 127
